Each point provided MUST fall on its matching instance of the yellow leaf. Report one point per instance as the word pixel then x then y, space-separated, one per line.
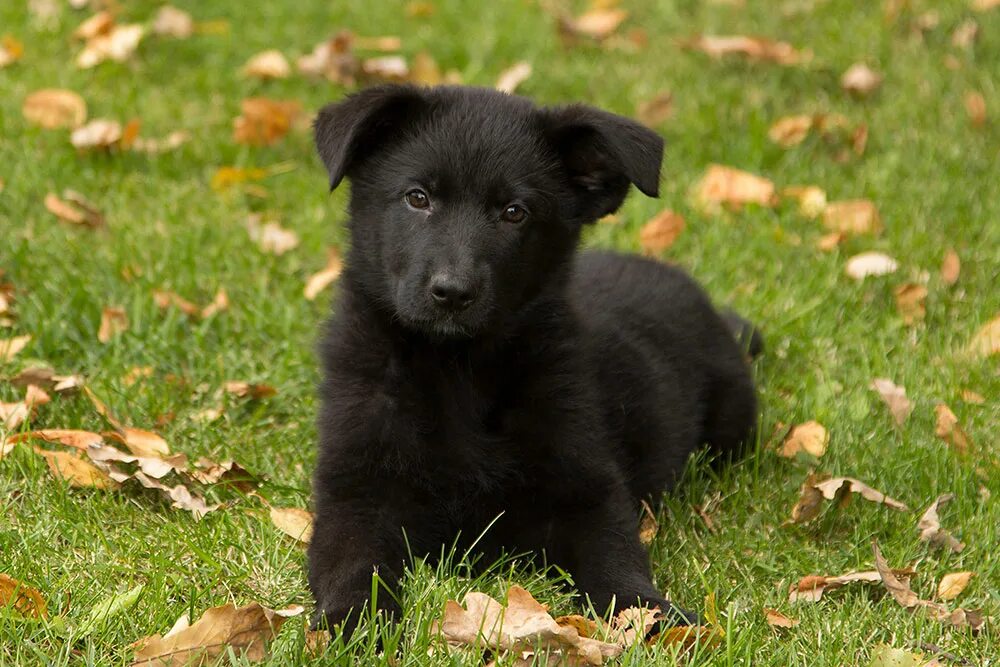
pixel 76 471
pixel 660 232
pixel 985 343
pixel 953 584
pixel 294 522
pixel 810 437
pixel 53 108
pixel 24 599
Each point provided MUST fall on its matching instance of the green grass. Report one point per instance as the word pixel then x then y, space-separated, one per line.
pixel 933 176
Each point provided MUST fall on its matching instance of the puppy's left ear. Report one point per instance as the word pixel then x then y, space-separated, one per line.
pixel 603 153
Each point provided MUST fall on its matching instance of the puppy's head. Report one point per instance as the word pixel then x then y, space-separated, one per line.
pixel 466 203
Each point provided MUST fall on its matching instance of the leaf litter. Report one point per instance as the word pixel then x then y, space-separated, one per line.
pixel 894 397
pixel 818 488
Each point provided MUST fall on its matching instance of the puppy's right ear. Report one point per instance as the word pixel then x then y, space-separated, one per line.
pixel 345 130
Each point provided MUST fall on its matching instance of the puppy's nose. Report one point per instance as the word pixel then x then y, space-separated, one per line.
pixel 451 292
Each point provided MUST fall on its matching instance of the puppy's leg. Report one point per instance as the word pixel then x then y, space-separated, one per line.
pixel 609 564
pixel 352 540
pixel 731 416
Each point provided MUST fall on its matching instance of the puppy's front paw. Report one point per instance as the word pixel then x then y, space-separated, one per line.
pixel 345 613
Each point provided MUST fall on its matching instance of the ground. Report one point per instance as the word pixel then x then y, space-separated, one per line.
pixel 931 172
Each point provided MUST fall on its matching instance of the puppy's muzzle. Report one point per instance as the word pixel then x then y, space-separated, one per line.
pixel 451 292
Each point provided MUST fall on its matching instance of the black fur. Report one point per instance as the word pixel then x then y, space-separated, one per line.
pixel 477 367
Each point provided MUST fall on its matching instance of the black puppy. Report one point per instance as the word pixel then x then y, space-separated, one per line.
pixel 477 367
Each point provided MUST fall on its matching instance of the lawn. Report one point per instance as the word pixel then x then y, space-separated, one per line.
pixel 931 171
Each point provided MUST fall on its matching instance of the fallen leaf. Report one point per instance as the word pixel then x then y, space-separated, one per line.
pixel 9 347
pixel 887 656
pixel 910 302
pixel 898 588
pixel 246 631
pixel 226 177
pixel 53 108
pixel 24 599
pixel 867 264
pixel 513 76
pixel 35 396
pixel 172 141
pixel 810 437
pixel 165 299
pixel 855 216
pixel 972 397
pixel 965 34
pixel 138 441
pixel 776 619
pixel 12 415
pixel 11 51
pixel 860 80
pixel 386 68
pixel 965 618
pixel 597 23
pixel 270 64
pixel 953 583
pixel 812 587
pixel 733 187
pixel 811 198
pixel 791 130
pixel 985 5
pixel 180 495
pixel 817 488
pixel 930 529
pixel 97 134
pixel 173 22
pixel 228 473
pixel 114 321
pixel 81 440
pixel 975 106
pixel 247 390
pixel 648 526
pixel 264 121
pixel 77 471
pixel 118 44
pixel 688 637
pixel 425 70
pixel 951 267
pixel 948 429
pixel 985 342
pixel 420 9
pixel 294 522
pixel 754 48
pixel 523 625
pixel 895 397
pixel 333 59
pixel 318 281
pixel 660 232
pixel 271 237
pixel 656 110
pixel 387 43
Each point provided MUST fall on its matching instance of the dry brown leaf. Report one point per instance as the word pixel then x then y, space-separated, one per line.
pixel 264 121
pixel 318 281
pixel 270 64
pixel 860 80
pixel 140 442
pixel 985 342
pixel 975 106
pixel 964 618
pixel 10 347
pixel 271 237
pixel 812 587
pixel 648 526
pixel 965 34
pixel 951 267
pixel 420 9
pixel 386 43
pixel 247 390
pixel 226 177
pixel 856 216
pixel 895 397
pixel 930 529
pixel 333 59
pixel 12 415
pixel 972 397
pixel 227 472
pixel 867 264
pixel 910 302
pixel 294 522
pixel 660 232
pixel 791 130
pixel 24 599
pixel 811 198
pixel 828 242
pixel 172 141
pixel 524 625
pixel 54 108
pixel 817 488
pixel 425 70
pixel 386 68
pixel 118 44
pixel 984 5
pixel 173 22
pixel 949 430
pixel 35 396
pixel 513 76
pixel 776 619
pixel 97 134
pixel 810 437
pixel 952 584
pixel 754 48
pixel 114 321
pixel 11 51
pixel 165 299
pixel 81 440
pixel 597 23
pixel 76 470
pixel 180 495
pixel 901 592
pixel 246 631
pixel 732 187
pixel 656 110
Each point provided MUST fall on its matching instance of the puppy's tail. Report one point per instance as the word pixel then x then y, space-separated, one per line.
pixel 748 336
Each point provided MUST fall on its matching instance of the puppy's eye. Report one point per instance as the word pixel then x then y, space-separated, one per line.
pixel 514 213
pixel 417 199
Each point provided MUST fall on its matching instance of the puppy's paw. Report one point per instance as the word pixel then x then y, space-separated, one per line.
pixel 343 617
